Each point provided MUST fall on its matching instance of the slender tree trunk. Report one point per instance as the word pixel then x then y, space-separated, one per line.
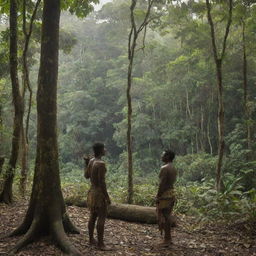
pixel 129 138
pixel 208 136
pixel 6 195
pixel 1 163
pixel 245 87
pixel 132 42
pixel 197 144
pixel 46 214
pixel 221 142
pixel 192 146
pixel 2 158
pixel 24 162
pixel 187 105
pixel 250 177
pixel 131 50
pixel 218 63
pixel 1 130
pixel 202 137
pixel 26 85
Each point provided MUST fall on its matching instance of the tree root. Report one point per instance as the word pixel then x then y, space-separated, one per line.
pixel 30 236
pixel 25 225
pixel 57 232
pixel 62 241
pixel 69 226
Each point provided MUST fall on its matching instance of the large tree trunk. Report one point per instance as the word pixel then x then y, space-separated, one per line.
pixel 6 195
pixel 46 214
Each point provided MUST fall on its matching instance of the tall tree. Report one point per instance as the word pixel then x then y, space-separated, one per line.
pixel 218 58
pixel 132 42
pixel 6 195
pixel 46 214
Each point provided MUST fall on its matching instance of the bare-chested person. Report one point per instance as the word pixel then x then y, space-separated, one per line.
pixel 98 198
pixel 166 196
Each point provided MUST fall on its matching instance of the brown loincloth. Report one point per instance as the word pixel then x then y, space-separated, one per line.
pixel 96 200
pixel 165 204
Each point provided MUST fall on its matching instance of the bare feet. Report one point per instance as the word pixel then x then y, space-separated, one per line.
pixel 166 243
pixel 93 241
pixel 103 247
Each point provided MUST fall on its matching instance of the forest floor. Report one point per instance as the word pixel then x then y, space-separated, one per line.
pixel 190 238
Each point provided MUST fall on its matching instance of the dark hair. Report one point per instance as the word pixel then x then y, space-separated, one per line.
pixel 170 154
pixel 98 148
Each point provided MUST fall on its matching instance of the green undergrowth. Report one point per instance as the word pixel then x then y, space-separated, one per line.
pixel 198 199
pixel 195 189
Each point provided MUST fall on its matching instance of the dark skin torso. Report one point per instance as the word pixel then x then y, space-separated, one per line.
pixel 96 172
pixel 167 178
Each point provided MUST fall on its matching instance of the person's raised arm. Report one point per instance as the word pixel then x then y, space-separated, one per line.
pixel 88 166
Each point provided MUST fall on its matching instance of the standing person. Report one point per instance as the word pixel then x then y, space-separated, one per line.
pixel 166 196
pixel 98 198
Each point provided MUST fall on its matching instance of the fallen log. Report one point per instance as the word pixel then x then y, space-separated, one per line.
pixel 127 212
pixel 133 213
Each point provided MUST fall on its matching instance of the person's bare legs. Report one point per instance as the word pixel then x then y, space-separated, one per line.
pixel 167 228
pixel 91 225
pixel 100 230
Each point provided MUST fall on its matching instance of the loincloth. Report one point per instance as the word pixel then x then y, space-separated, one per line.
pixel 167 200
pixel 96 200
pixel 165 206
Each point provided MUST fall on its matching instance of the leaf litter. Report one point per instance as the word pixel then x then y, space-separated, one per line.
pixel 131 239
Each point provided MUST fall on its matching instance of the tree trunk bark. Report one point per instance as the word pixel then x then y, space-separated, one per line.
pixel 202 136
pixel 131 50
pixel 208 135
pixel 221 144
pixel 24 162
pixel 132 42
pixel 46 214
pixel 245 87
pixel 218 63
pixel 1 130
pixel 129 139
pixel 6 195
pixel 26 85
pixel 1 163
